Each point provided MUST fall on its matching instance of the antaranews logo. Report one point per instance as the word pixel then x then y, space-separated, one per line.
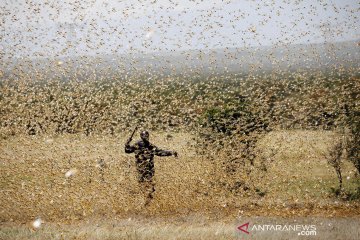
pixel 300 229
pixel 244 228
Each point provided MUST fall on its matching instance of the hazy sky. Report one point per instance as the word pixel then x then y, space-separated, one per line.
pixel 88 27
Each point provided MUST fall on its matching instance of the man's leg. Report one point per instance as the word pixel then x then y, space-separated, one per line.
pixel 149 188
pixel 146 174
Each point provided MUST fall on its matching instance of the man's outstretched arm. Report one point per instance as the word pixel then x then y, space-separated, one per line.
pixel 164 153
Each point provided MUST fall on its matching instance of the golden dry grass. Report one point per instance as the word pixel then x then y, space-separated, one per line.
pixel 33 182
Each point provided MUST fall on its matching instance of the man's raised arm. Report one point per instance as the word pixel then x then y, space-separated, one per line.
pixel 128 147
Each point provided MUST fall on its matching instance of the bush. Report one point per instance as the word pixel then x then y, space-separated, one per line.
pixel 231 133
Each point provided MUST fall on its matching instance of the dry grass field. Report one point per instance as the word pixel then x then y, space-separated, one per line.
pixel 91 202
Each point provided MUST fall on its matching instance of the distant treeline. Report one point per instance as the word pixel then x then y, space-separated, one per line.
pixel 299 99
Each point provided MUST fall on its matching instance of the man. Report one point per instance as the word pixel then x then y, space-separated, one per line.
pixel 144 154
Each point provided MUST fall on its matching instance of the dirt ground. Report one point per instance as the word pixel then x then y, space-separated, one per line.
pixel 194 226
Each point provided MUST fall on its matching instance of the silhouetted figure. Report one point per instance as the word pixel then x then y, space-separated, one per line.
pixel 144 154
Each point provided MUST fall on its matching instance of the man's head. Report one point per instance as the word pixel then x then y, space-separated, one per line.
pixel 144 135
